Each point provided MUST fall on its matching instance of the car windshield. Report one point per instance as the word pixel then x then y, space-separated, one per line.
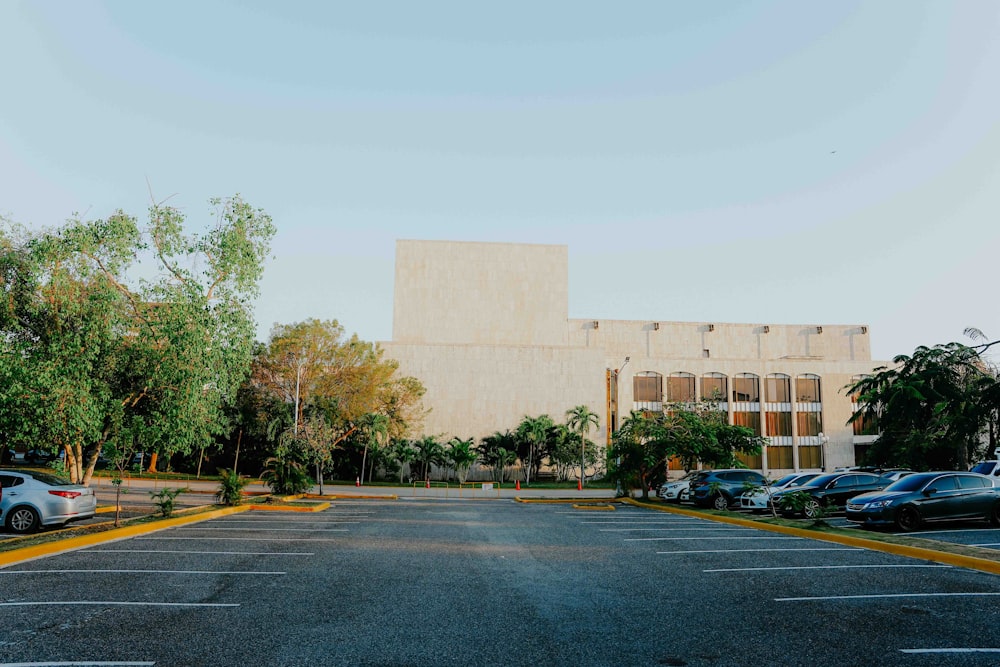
pixel 909 483
pixel 45 478
pixel 984 468
pixel 784 480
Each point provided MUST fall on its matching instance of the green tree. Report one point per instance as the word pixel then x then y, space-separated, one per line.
pixel 429 452
pixel 89 354
pixel 312 366
pixel 931 408
pixel 461 456
pixel 581 419
pixel 402 452
pixel 497 451
pixel 533 434
pixel 640 448
pixel 374 428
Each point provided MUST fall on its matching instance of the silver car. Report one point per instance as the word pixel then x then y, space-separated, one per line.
pixel 30 499
pixel 677 490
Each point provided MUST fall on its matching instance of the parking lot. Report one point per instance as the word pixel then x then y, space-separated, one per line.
pixel 426 581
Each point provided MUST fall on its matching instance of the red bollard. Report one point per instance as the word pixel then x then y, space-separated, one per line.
pixel 428 485
pixel 517 485
pixel 579 485
pixel 357 481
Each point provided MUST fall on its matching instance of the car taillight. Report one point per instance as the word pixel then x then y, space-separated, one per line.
pixel 66 494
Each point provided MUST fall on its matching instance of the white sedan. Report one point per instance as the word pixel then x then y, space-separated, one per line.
pixel 677 490
pixel 757 499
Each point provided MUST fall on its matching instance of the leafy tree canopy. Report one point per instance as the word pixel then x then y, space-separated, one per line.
pixel 91 357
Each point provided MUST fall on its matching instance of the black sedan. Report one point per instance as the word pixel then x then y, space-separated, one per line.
pixel 926 497
pixel 827 492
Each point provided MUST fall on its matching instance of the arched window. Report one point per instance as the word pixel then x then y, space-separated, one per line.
pixel 778 420
pixel 680 388
pixel 809 420
pixel 647 391
pixel 714 387
pixel 746 388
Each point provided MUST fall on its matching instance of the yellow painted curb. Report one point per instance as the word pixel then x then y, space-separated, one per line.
pixel 71 544
pixel 319 507
pixel 602 508
pixel 956 560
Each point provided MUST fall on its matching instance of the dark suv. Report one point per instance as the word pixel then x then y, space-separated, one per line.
pixel 831 492
pixel 721 488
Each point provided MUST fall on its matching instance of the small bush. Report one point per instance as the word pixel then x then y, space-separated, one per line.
pixel 286 477
pixel 230 487
pixel 164 500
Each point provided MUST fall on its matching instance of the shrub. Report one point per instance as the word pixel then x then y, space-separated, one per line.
pixel 286 477
pixel 164 500
pixel 230 487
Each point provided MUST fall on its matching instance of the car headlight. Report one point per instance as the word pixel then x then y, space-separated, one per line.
pixel 877 504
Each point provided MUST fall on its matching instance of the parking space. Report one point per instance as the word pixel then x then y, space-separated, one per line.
pixel 144 599
pixel 866 607
pixel 451 582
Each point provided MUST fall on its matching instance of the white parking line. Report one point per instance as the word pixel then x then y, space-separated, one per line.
pixel 821 567
pixel 9 572
pixel 250 539
pixel 115 603
pixel 886 596
pixel 270 530
pixel 704 537
pixel 736 551
pixel 76 664
pixel 196 553
pixel 949 650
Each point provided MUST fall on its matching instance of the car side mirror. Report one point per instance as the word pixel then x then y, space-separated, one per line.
pixel 930 491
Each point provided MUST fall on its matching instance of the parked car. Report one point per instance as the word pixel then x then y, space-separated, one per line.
pixel 721 488
pixel 989 468
pixel 829 492
pixel 756 500
pixel 675 491
pixel 926 497
pixel 890 476
pixel 32 499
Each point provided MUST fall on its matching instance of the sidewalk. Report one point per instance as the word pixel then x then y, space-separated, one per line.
pixel 139 488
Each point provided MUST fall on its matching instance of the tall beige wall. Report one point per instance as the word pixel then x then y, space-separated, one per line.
pixel 475 390
pixel 480 293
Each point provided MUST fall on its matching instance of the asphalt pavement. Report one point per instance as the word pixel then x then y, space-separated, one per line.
pixel 450 582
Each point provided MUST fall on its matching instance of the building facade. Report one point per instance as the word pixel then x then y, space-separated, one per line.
pixel 485 327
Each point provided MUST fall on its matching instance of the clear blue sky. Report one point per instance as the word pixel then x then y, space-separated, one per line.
pixel 767 162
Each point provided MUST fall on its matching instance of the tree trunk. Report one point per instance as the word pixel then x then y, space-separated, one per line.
pixel 152 462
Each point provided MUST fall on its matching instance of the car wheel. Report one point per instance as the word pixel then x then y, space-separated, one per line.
pixel 22 520
pixel 812 509
pixel 720 502
pixel 907 519
pixel 995 516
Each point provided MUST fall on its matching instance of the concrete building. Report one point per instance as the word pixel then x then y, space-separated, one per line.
pixel 485 327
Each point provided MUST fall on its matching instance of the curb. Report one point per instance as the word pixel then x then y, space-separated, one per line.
pixel 922 553
pixel 594 507
pixel 573 501
pixel 16 556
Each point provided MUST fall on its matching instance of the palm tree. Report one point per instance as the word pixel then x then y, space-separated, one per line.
pixel 429 452
pixel 581 419
pixel 534 431
pixel 461 456
pixel 498 451
pixel 403 452
pixel 373 427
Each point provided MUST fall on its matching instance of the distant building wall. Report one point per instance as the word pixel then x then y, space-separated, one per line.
pixel 485 327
